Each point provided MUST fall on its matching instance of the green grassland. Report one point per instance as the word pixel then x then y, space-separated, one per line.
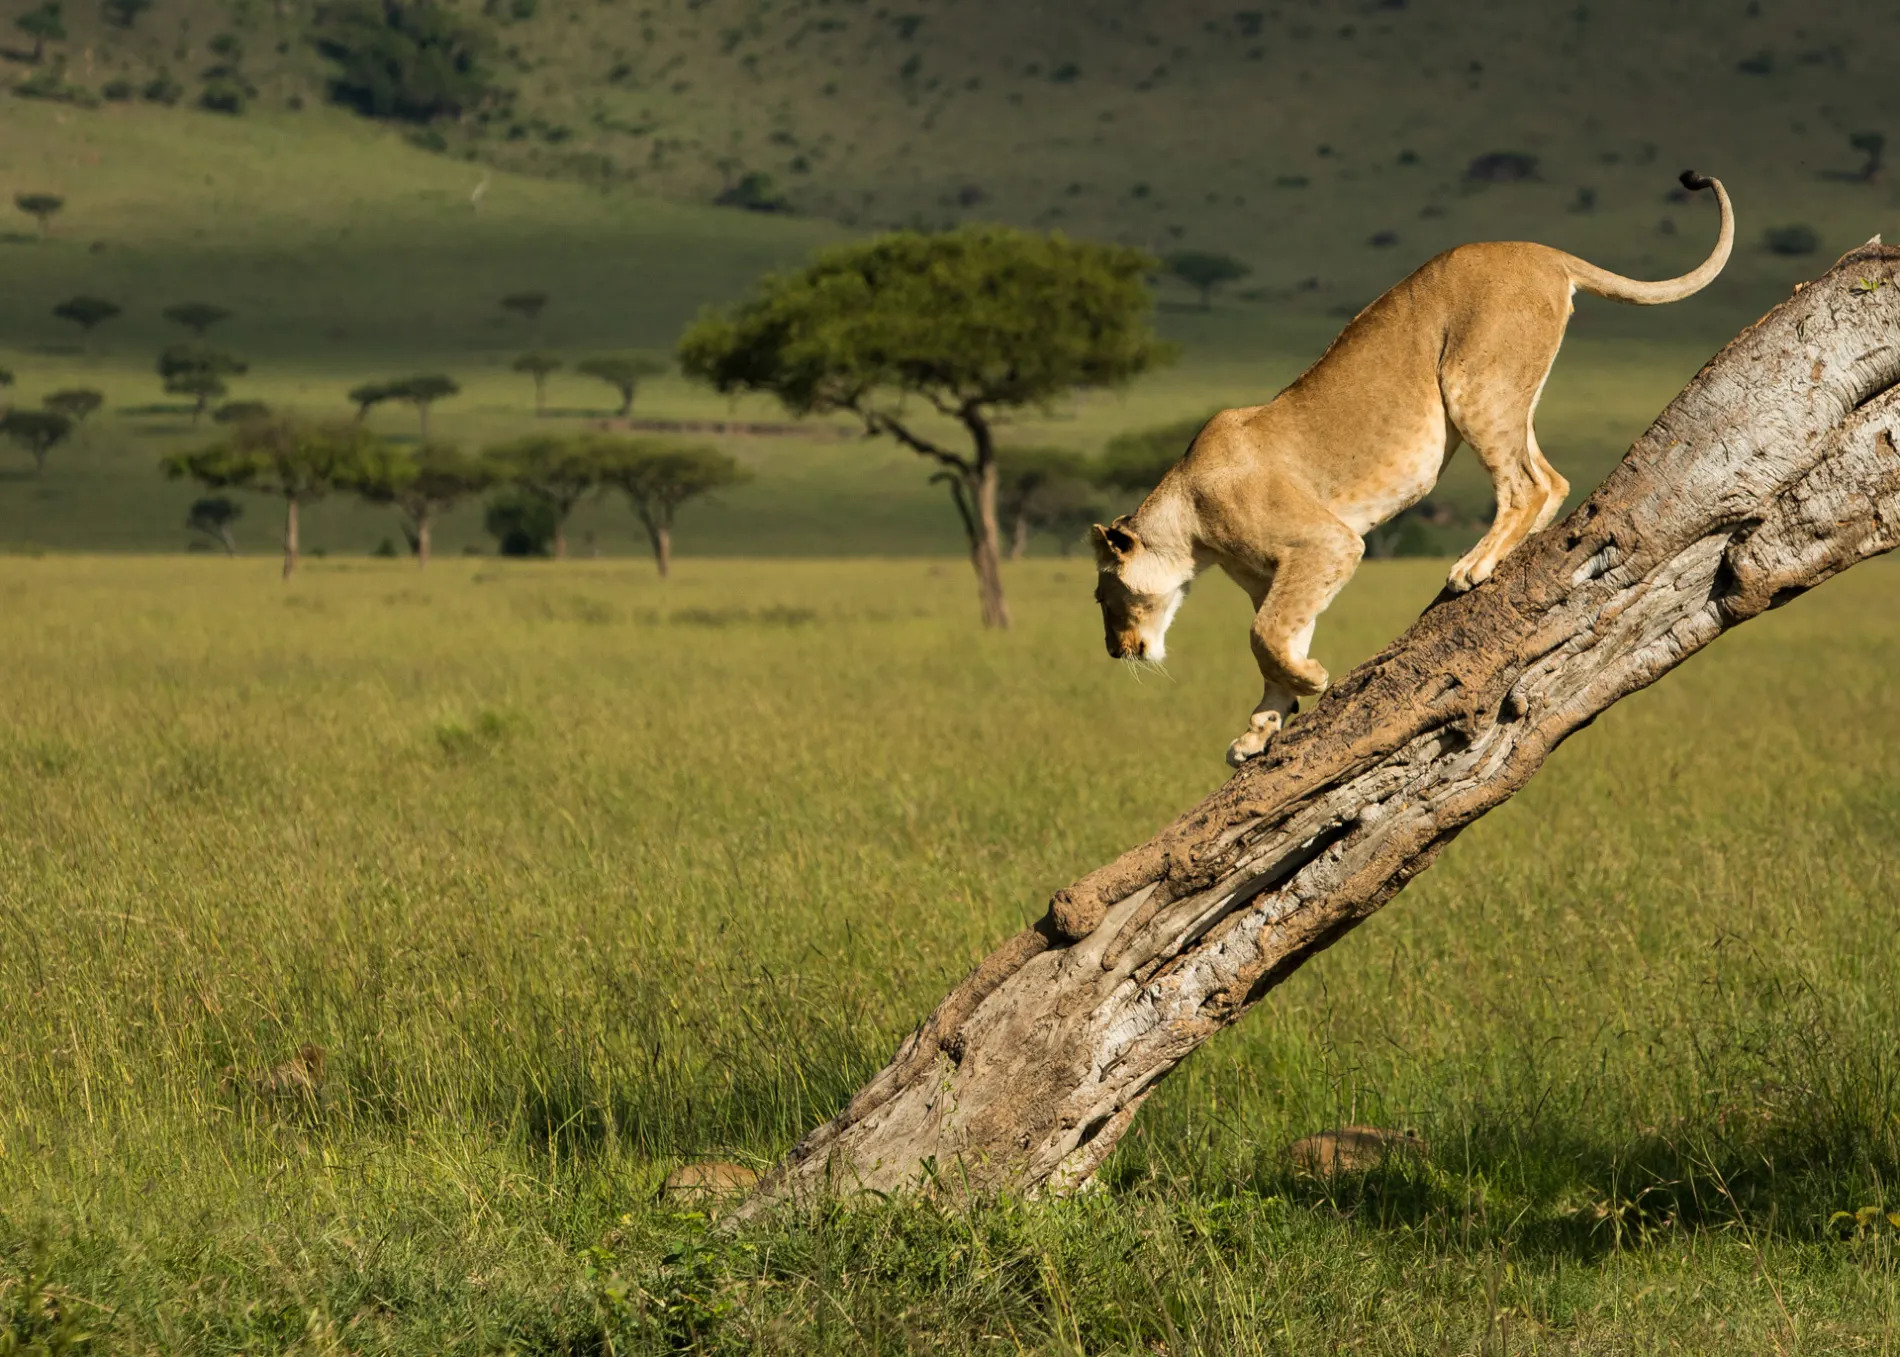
pixel 575 876
pixel 347 254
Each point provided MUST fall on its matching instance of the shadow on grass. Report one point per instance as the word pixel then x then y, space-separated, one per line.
pixel 1551 1195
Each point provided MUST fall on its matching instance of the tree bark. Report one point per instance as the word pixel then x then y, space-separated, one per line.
pixel 290 535
pixel 1019 537
pixel 424 524
pixel 663 549
pixel 1777 468
pixel 986 550
pixel 560 539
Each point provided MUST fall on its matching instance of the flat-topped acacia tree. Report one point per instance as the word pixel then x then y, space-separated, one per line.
pixel 37 431
pixel 538 365
pixel 196 317
pixel 422 485
pixel 42 207
pixel 623 372
pixel 974 325
pixel 290 458
pixel 423 392
pixel 658 478
pixel 87 312
pixel 559 472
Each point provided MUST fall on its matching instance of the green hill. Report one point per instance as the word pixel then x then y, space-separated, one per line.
pixel 1293 136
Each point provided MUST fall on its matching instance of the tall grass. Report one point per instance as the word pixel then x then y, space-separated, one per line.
pixel 575 876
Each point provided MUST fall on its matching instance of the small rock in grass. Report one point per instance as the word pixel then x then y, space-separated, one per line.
pixel 711 1182
pixel 1351 1149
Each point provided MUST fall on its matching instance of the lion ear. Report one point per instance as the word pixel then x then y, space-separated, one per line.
pixel 1120 538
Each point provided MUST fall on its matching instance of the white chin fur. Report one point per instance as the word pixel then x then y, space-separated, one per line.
pixel 1157 643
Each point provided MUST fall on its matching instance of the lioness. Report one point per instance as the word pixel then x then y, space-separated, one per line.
pixel 1280 495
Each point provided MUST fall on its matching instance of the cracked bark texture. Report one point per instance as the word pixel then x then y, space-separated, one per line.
pixel 1775 469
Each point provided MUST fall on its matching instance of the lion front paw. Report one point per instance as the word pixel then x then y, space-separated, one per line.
pixel 1254 742
pixel 1466 576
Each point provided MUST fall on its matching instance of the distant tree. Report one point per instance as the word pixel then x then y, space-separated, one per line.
pixel 124 13
pixel 408 60
pixel 42 207
pixel 75 402
pixel 1204 271
pixel 372 394
pixel 196 317
pixel 527 305
pixel 6 379
pixel 559 471
pixel 37 431
pixel 44 23
pixel 198 372
pixel 295 461
pixel 1137 460
pixel 201 386
pixel 1797 239
pixel 421 485
pixel 538 365
pixel 623 372
pixel 1873 145
pixel 87 312
pixel 1045 490
pixel 659 477
pixel 240 412
pixel 214 516
pixel 422 392
pixel 522 524
pixel 974 323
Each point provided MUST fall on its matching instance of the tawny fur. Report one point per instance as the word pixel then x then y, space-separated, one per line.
pixel 1281 495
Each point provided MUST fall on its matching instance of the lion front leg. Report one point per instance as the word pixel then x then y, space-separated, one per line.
pixel 1278 702
pixel 1303 584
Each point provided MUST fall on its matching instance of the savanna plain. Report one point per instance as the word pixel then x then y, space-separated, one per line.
pixel 575 877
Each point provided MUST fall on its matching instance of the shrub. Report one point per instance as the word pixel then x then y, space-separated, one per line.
pixel 119 90
pixel 1502 167
pixel 223 95
pixel 162 89
pixel 522 524
pixel 407 60
pixel 1797 239
pixel 754 192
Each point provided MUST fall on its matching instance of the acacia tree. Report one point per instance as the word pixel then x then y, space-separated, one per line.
pixel 659 477
pixel 214 516
pixel 37 431
pixel 75 402
pixel 1138 459
pixel 295 461
pixel 44 23
pixel 422 392
pixel 1204 270
pixel 198 372
pixel 1045 489
pixel 372 394
pixel 977 324
pixel 196 317
pixel 538 365
pixel 87 312
pixel 559 472
pixel 623 372
pixel 421 485
pixel 42 207
pixel 527 305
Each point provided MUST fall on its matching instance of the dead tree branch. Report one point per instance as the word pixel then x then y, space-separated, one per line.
pixel 1773 471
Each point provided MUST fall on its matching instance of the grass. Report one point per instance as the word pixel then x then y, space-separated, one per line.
pixel 576 876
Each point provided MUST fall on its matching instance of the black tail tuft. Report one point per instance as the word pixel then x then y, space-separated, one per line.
pixel 1693 181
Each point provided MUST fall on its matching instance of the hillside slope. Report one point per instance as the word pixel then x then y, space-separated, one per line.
pixel 1294 134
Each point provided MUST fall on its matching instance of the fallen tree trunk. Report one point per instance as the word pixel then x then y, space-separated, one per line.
pixel 1774 470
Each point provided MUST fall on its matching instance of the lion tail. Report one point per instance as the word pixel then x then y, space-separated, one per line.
pixel 1617 288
